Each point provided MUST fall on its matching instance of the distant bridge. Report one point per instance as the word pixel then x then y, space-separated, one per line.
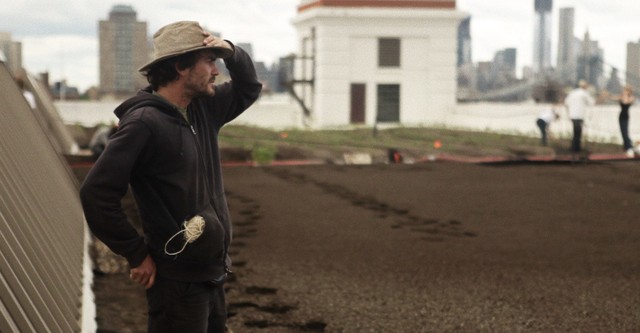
pixel 514 92
pixel 548 88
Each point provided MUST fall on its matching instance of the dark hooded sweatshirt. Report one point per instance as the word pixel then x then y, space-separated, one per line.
pixel 173 168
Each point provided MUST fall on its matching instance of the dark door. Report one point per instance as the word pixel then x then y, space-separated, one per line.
pixel 358 93
pixel 388 103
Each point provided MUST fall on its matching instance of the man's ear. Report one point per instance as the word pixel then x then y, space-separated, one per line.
pixel 181 72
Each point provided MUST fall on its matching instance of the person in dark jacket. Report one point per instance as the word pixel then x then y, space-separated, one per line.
pixel 166 149
pixel 626 99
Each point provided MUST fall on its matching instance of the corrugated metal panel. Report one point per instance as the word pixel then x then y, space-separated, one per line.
pixel 41 224
pixel 48 117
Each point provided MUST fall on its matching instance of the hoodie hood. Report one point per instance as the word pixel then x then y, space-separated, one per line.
pixel 145 97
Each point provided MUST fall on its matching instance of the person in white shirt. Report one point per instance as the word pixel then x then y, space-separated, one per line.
pixel 545 118
pixel 577 102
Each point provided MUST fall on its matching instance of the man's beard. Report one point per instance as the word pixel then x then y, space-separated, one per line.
pixel 201 91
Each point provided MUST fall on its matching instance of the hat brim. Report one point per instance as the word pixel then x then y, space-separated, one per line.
pixel 220 52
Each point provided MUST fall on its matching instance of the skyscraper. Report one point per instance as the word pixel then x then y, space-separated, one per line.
pixel 566 54
pixel 466 71
pixel 464 42
pixel 542 36
pixel 123 49
pixel 505 61
pixel 12 52
pixel 590 62
pixel 633 65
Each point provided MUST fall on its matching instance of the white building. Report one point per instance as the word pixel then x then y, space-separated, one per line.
pixel 376 61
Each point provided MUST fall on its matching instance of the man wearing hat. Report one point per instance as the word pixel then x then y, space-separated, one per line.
pixel 166 149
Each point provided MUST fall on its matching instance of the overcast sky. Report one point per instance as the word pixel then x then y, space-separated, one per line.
pixel 60 36
pixel 499 24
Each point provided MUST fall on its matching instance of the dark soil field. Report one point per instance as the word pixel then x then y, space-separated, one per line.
pixel 431 247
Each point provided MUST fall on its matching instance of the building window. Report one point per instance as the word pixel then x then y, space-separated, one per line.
pixel 389 52
pixel 388 103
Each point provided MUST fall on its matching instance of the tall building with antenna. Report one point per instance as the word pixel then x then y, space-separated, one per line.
pixel 542 37
pixel 566 64
pixel 123 48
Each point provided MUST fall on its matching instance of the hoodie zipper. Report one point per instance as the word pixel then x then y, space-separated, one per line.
pixel 210 193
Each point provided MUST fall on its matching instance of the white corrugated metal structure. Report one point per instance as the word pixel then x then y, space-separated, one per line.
pixel 42 230
pixel 341 72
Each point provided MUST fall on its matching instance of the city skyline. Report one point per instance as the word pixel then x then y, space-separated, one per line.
pixel 61 37
pixel 611 23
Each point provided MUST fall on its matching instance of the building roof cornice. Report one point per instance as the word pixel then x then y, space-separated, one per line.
pixel 440 4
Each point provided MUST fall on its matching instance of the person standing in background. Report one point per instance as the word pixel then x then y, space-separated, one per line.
pixel 577 102
pixel 626 99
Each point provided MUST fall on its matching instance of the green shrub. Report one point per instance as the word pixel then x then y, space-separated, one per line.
pixel 263 154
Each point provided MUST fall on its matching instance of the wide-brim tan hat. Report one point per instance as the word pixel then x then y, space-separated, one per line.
pixel 179 38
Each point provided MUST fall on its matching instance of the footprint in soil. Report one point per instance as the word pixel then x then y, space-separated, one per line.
pixel 310 326
pixel 258 307
pixel 270 308
pixel 253 290
pixel 436 232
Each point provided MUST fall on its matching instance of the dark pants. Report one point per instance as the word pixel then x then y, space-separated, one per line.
pixel 542 125
pixel 194 307
pixel 577 135
pixel 624 130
